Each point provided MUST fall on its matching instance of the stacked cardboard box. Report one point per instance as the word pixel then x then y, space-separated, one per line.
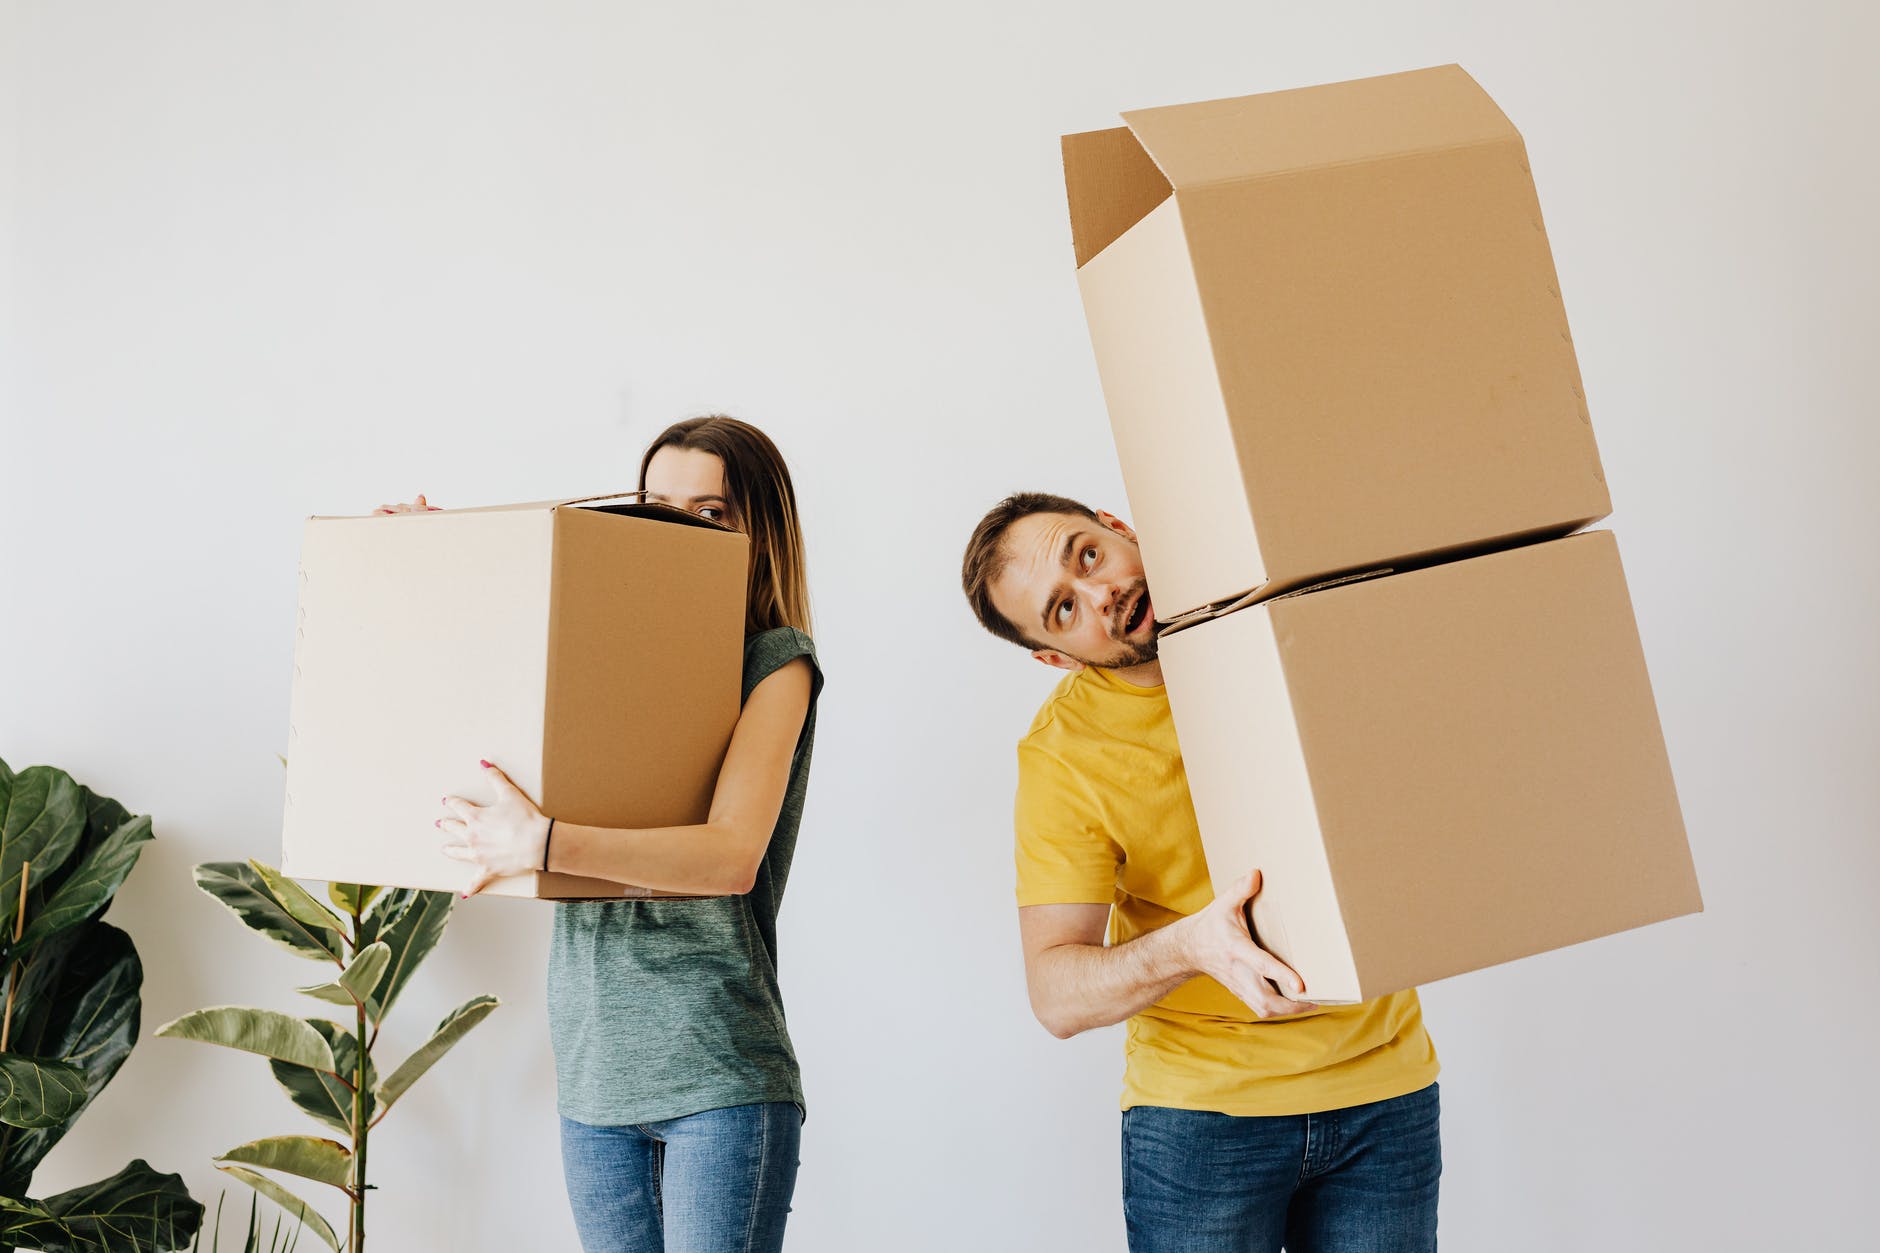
pixel 1408 686
pixel 592 649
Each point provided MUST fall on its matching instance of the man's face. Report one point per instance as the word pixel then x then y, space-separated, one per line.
pixel 1075 588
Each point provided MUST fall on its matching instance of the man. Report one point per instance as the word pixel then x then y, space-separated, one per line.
pixel 1251 1117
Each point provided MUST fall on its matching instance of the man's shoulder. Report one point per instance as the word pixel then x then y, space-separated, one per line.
pixel 1058 717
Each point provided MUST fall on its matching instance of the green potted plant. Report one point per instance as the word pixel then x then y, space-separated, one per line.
pixel 72 1006
pixel 374 939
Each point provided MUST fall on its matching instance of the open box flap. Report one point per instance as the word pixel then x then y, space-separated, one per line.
pixel 1113 178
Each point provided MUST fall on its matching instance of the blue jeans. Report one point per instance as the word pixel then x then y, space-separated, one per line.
pixel 714 1182
pixel 1358 1180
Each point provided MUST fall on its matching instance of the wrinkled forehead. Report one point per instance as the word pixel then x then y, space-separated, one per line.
pixel 1031 564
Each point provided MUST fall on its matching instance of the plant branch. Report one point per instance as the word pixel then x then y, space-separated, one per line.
pixel 13 975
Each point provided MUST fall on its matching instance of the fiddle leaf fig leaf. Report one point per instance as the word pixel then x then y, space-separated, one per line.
pixel 37 1092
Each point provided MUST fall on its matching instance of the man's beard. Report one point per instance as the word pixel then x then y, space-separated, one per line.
pixel 1129 652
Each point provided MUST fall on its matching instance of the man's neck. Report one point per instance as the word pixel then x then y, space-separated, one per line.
pixel 1148 674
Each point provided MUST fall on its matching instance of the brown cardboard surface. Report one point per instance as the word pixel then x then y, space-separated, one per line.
pixel 594 653
pixel 1437 770
pixel 1342 317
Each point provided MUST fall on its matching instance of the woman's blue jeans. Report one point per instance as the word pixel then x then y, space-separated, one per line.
pixel 714 1182
pixel 1358 1180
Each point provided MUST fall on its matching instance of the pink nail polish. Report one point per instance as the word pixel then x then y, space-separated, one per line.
pixel 484 764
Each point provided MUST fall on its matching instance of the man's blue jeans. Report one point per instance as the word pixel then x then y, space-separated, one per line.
pixel 1358 1180
pixel 716 1182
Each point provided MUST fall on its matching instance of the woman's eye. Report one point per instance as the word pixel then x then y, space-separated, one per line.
pixel 711 513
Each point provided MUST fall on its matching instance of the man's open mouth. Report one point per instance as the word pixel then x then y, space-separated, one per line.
pixel 1138 613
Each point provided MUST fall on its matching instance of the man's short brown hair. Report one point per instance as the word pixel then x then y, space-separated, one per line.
pixel 986 555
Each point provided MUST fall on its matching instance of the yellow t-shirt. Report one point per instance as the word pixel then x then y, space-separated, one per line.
pixel 1103 817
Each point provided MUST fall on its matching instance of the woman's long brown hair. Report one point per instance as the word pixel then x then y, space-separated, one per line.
pixel 762 505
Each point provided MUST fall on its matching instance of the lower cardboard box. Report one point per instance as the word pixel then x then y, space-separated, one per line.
pixel 1435 770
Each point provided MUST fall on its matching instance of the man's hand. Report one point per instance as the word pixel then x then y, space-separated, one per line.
pixel 1076 982
pixel 1218 942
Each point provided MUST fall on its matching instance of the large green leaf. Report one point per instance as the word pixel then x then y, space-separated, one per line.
pixel 384 912
pixel 237 886
pixel 78 1002
pixel 90 886
pixel 137 1208
pixel 263 1031
pixel 356 982
pixel 416 925
pixel 310 1157
pixel 102 817
pixel 352 898
pixel 42 814
pixel 287 1201
pixel 298 901
pixel 323 1095
pixel 455 1026
pixel 39 1092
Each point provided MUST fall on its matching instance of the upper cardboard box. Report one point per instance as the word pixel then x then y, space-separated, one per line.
pixel 592 650
pixel 1329 334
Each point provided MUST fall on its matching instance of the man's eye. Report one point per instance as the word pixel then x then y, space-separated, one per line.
pixel 1063 612
pixel 1090 556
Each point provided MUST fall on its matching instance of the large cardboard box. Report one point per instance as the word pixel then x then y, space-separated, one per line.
pixel 1436 770
pixel 593 650
pixel 1329 334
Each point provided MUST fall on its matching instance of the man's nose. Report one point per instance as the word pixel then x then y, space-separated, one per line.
pixel 1102 597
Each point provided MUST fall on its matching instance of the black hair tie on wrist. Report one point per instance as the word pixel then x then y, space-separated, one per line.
pixel 545 839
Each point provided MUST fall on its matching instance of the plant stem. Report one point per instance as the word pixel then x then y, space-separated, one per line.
pixel 13 975
pixel 361 1129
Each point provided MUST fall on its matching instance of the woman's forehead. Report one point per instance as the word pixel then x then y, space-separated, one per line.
pixel 685 472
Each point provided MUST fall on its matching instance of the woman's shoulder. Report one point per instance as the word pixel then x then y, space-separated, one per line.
pixel 766 652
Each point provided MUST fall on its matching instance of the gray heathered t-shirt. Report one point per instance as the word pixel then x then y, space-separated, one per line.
pixel 659 1009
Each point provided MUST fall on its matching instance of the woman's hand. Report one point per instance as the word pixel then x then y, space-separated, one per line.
pixel 416 506
pixel 507 836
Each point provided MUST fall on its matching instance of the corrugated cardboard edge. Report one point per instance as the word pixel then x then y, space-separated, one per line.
pixel 1331 977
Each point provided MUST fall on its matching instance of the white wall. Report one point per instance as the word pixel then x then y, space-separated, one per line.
pixel 264 260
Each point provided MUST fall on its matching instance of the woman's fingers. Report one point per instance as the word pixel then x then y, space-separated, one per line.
pixel 497 778
pixel 420 505
pixel 461 852
pixel 487 878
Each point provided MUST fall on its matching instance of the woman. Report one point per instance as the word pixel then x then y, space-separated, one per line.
pixel 678 1089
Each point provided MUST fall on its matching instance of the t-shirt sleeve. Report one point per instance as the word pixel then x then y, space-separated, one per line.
pixel 770 651
pixel 1064 854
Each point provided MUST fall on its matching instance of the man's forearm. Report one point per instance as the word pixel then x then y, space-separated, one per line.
pixel 1075 987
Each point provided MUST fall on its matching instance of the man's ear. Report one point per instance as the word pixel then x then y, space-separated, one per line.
pixel 1116 524
pixel 1057 659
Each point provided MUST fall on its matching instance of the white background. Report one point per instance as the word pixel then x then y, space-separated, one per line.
pixel 263 260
